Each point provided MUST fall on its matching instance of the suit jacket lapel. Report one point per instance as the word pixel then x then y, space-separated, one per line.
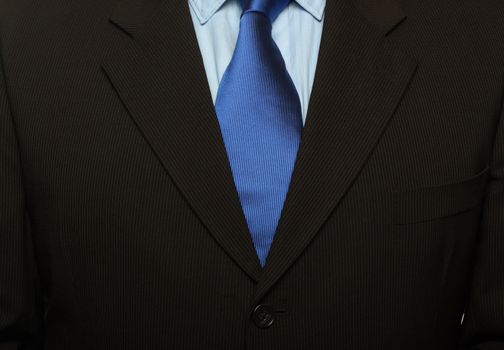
pixel 157 71
pixel 359 81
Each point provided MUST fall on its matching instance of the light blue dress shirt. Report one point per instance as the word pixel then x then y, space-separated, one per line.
pixel 296 31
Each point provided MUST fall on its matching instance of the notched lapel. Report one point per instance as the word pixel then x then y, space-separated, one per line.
pixel 158 73
pixel 132 15
pixel 359 81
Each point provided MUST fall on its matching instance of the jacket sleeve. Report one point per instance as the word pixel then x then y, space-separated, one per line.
pixel 19 316
pixel 483 323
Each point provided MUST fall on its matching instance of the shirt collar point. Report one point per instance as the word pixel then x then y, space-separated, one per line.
pixel 313 7
pixel 205 9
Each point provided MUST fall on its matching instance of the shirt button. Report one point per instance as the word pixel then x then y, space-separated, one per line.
pixel 263 316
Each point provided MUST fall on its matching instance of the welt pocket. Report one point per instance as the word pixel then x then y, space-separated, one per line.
pixel 428 203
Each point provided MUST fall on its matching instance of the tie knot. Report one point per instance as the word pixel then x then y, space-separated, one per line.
pixel 270 8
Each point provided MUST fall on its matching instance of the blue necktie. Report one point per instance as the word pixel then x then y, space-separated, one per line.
pixel 259 113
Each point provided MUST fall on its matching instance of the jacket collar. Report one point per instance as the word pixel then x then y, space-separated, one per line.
pixel 154 64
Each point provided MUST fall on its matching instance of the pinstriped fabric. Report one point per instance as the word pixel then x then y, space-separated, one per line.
pixel 109 141
pixel 19 290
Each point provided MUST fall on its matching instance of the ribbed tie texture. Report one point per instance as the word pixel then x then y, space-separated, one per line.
pixel 259 113
pixel 270 9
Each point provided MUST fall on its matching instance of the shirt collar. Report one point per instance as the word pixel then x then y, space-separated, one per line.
pixel 205 9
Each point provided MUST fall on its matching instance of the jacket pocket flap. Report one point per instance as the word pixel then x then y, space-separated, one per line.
pixel 427 203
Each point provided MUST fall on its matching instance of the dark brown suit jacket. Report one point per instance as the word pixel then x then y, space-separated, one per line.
pixel 120 227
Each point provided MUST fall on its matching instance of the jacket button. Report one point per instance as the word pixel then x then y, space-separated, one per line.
pixel 263 316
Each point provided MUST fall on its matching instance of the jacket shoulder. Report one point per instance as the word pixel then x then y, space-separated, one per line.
pixel 20 15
